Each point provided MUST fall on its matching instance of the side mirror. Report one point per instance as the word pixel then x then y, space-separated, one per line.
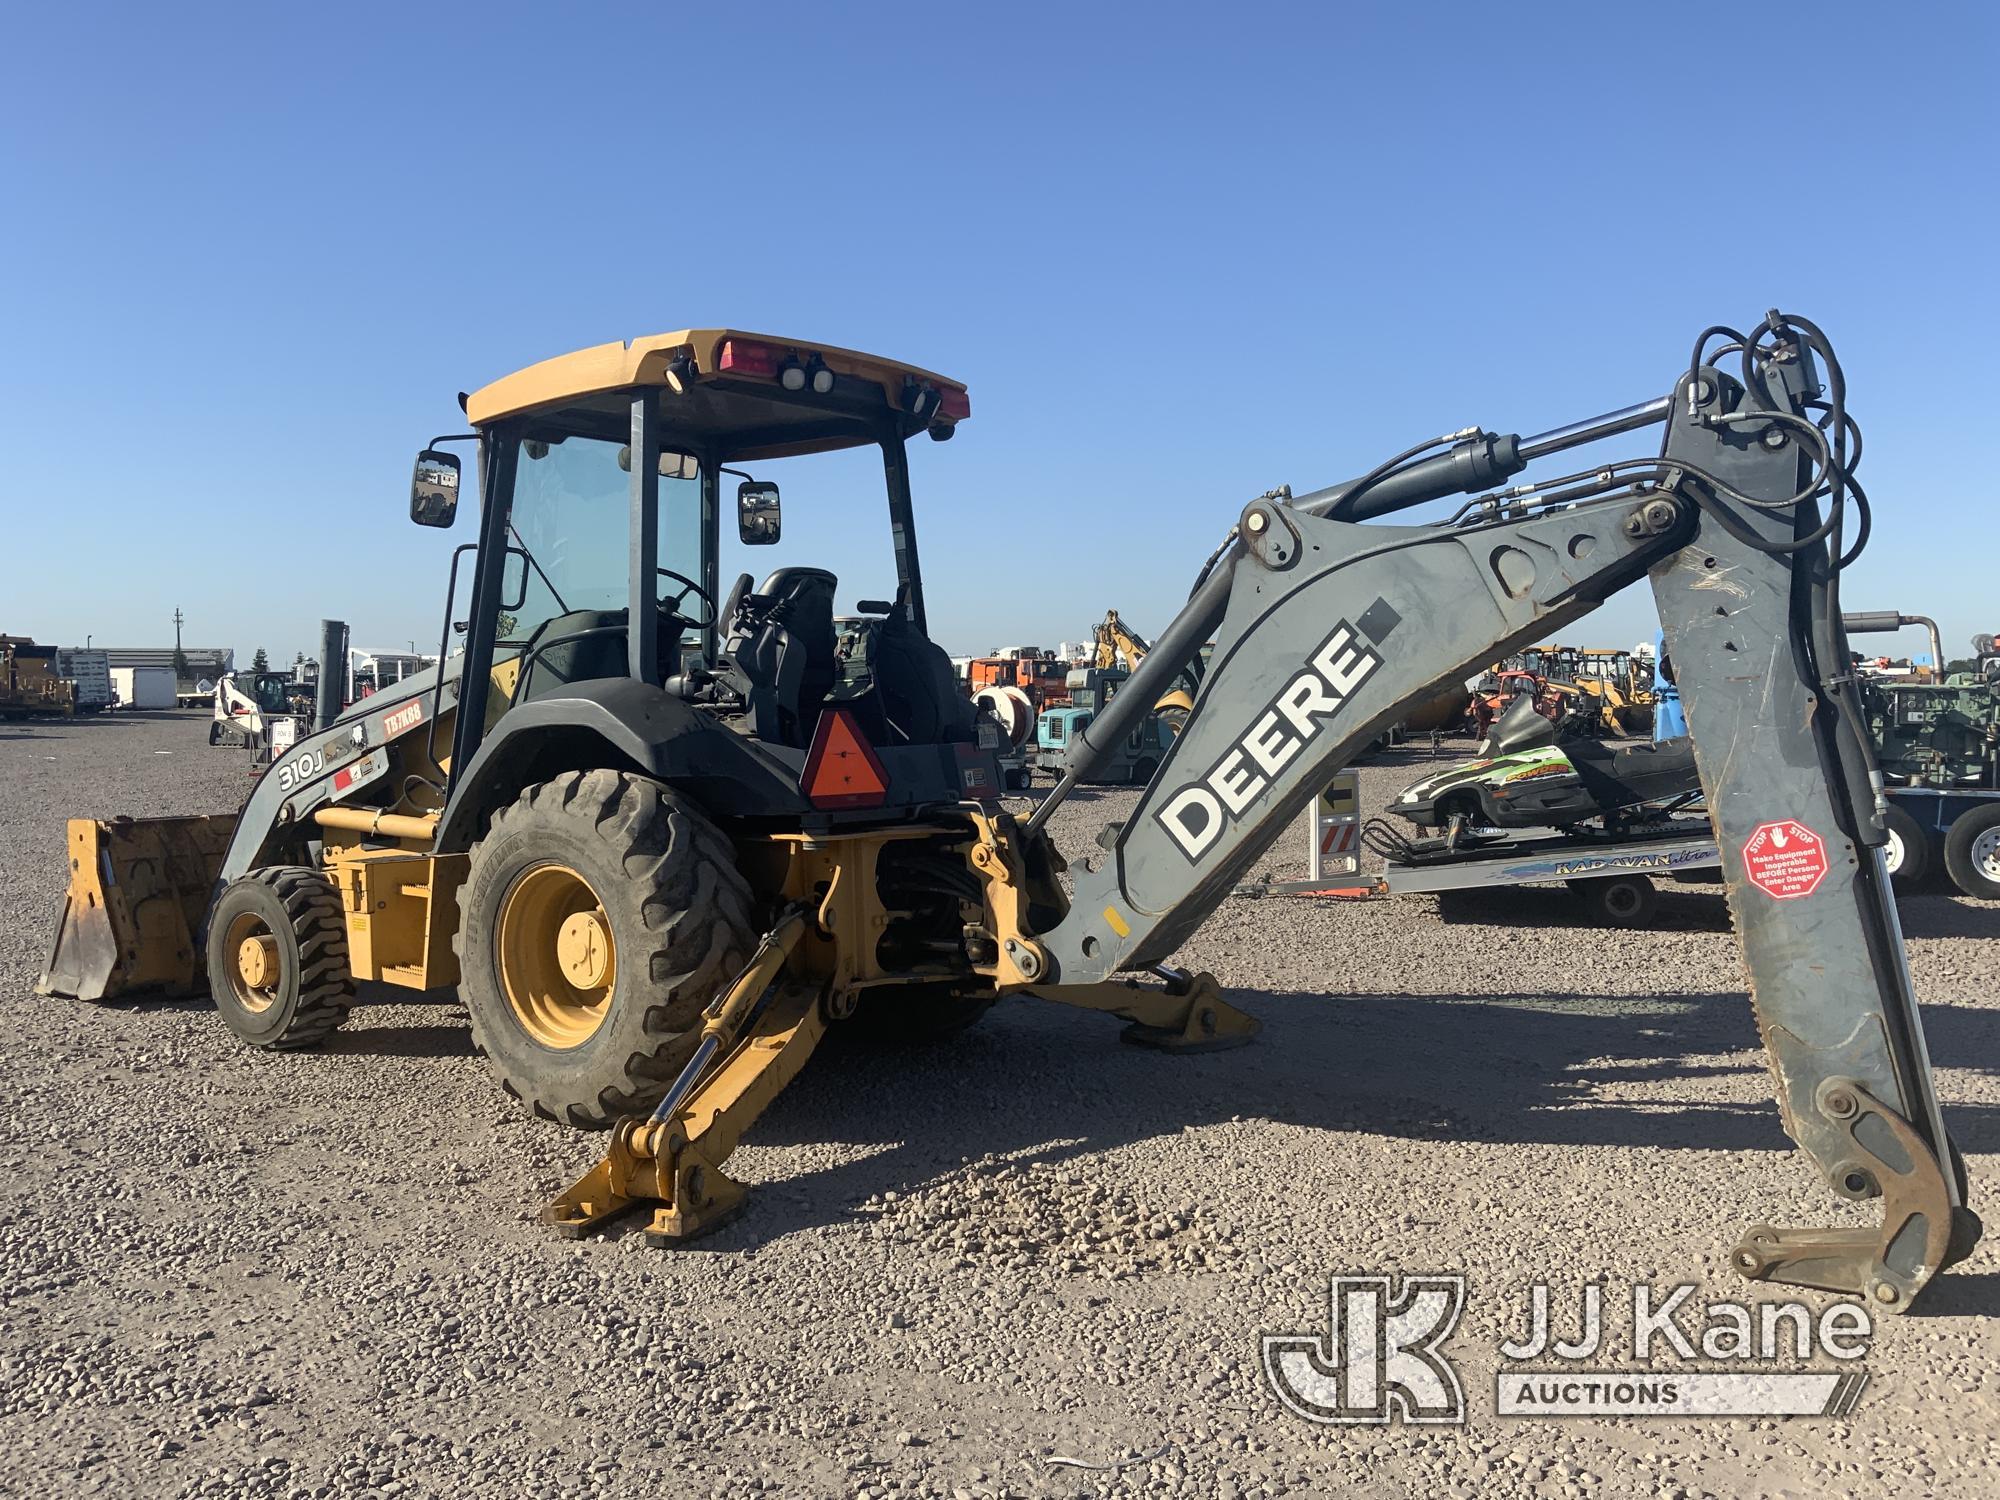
pixel 514 580
pixel 759 517
pixel 434 488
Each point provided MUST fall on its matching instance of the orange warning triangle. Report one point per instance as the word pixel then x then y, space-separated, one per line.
pixel 841 767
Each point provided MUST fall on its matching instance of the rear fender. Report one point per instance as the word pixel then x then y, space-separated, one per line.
pixel 628 725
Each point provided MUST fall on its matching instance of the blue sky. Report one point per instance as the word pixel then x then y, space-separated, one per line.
pixel 1180 255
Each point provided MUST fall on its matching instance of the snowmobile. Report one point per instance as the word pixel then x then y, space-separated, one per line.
pixel 1526 778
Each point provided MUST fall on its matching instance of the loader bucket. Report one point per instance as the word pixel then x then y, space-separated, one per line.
pixel 132 918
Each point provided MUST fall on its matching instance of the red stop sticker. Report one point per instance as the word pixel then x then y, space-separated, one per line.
pixel 1785 859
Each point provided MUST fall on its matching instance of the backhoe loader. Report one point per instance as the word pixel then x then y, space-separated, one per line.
pixel 660 844
pixel 1118 645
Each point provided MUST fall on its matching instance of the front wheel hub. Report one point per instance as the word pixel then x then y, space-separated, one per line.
pixel 257 961
pixel 583 947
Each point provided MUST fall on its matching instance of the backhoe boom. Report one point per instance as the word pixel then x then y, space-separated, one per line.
pixel 1326 631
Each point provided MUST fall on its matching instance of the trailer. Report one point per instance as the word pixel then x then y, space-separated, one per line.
pixel 1612 876
pixel 89 672
pixel 145 687
pixel 1960 825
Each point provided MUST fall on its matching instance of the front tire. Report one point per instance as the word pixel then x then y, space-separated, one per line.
pixel 277 958
pixel 599 915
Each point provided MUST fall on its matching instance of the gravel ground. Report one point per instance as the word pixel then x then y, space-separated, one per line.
pixel 231 1273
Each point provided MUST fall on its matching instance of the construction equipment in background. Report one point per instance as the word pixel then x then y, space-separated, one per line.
pixel 1937 744
pixel 1442 712
pixel 661 853
pixel 1012 711
pixel 1013 686
pixel 1038 672
pixel 1118 645
pixel 1620 683
pixel 1602 691
pixel 1496 689
pixel 1132 760
pixel 250 706
pixel 31 686
pixel 1937 741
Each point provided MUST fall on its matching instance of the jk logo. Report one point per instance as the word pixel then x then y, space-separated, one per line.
pixel 1379 1358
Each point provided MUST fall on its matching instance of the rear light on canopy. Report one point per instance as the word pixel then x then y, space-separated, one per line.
pixel 748 357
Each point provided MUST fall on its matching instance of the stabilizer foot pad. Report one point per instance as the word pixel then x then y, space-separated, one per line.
pixel 1922 1230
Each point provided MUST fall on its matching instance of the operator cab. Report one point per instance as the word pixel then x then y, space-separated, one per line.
pixel 617 482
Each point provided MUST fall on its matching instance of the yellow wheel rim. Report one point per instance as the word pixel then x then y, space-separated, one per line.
pixel 254 975
pixel 558 963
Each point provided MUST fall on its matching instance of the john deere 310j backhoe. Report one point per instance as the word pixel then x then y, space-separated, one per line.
pixel 661 837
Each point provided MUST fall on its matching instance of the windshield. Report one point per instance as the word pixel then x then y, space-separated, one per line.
pixel 571 514
pixel 835 518
pixel 270 691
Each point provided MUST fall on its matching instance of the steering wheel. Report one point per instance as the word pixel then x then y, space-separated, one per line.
pixel 688 586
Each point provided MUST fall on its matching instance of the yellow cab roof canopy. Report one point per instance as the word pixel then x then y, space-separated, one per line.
pixel 734 395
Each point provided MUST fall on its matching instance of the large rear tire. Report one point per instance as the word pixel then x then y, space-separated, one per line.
pixel 277 958
pixel 599 915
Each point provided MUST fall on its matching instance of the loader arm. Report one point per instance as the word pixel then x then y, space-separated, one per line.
pixel 1327 631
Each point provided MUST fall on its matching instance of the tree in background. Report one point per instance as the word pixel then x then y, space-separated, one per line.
pixel 182 671
pixel 260 662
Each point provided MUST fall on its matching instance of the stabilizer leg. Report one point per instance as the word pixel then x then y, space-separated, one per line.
pixel 673 1159
pixel 1187 1014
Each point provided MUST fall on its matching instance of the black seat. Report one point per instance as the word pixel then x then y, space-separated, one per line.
pixel 1624 775
pixel 918 691
pixel 780 655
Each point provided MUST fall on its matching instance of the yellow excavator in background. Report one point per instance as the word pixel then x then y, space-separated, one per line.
pixel 1119 645
pixel 1603 690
